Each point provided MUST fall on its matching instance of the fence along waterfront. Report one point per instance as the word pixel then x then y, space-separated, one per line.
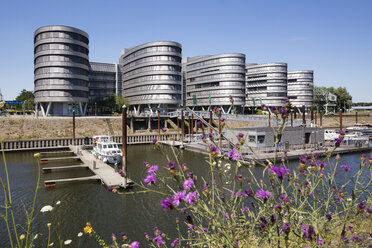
pixel 19 145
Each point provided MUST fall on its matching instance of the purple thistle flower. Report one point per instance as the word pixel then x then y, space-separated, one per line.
pixel 174 243
pixel 109 188
pixel 239 177
pixel 199 124
pixel 192 198
pixel 337 142
pixel 210 135
pixel 158 240
pixel 171 165
pixel 346 167
pixel 263 194
pixel 154 140
pixel 152 169
pixel 222 119
pixel 135 244
pixel 362 205
pixel 280 172
pixel 245 209
pixel 227 216
pixel 240 135
pixel 286 227
pixel 282 196
pixel 249 192
pixel 150 179
pixel 166 204
pixel 190 175
pixel 164 129
pixel 178 197
pixel 234 155
pixel 356 239
pixel 329 216
pixel 122 234
pixel 187 184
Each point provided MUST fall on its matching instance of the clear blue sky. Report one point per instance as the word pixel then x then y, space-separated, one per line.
pixel 333 38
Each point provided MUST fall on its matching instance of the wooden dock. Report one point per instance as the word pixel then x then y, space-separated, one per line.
pixel 172 143
pixel 104 171
pixel 59 159
pixel 52 183
pixel 50 169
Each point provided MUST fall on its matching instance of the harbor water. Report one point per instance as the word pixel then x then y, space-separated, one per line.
pixel 82 202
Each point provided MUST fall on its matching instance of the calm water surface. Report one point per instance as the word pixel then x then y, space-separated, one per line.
pixel 109 213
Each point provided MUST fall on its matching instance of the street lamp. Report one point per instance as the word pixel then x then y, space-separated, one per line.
pixel 95 108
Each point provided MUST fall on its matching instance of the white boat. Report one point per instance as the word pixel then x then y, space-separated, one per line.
pixel 356 138
pixel 359 127
pixel 330 134
pixel 106 149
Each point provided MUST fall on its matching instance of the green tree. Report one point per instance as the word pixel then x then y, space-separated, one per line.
pixel 120 101
pixel 28 99
pixel 344 99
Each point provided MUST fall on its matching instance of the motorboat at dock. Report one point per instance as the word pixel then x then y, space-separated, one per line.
pixel 106 150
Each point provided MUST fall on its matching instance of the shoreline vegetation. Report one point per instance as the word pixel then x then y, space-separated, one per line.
pixel 24 128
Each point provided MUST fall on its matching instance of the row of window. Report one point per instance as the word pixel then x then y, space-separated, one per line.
pixel 278 94
pixel 153 68
pixel 67 47
pixel 156 97
pixel 218 69
pixel 101 92
pixel 61 58
pixel 62 35
pixel 64 70
pixel 101 85
pixel 71 93
pixel 215 61
pixel 218 92
pixel 67 82
pixel 100 76
pixel 153 88
pixel 152 49
pixel 100 67
pixel 267 69
pixel 257 88
pixel 153 78
pixel 218 76
pixel 152 59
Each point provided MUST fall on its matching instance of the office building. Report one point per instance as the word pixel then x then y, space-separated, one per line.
pixel 300 88
pixel 152 76
pixel 211 80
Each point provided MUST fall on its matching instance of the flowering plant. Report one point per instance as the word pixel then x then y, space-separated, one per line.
pixel 317 203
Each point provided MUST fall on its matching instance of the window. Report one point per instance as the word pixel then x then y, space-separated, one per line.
pixel 260 139
pixel 252 138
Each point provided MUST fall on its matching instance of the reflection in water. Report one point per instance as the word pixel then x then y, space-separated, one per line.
pixel 109 213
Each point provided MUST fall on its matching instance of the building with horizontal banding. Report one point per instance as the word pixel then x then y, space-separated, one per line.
pixel 212 79
pixel 266 84
pixel 300 88
pixel 152 76
pixel 61 69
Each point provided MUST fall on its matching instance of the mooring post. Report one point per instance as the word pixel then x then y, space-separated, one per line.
pixel 159 124
pixel 178 126
pixel 189 129
pixel 312 114
pixel 295 112
pixel 182 125
pixel 192 127
pixel 356 117
pixel 73 126
pixel 210 121
pixel 124 141
pixel 269 118
pixel 303 126
pixel 316 117
pixel 340 119
pixel 320 118
pixel 220 129
pixel 291 119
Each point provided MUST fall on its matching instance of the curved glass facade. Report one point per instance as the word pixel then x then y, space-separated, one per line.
pixel 300 88
pixel 266 84
pixel 61 69
pixel 151 75
pixel 211 80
